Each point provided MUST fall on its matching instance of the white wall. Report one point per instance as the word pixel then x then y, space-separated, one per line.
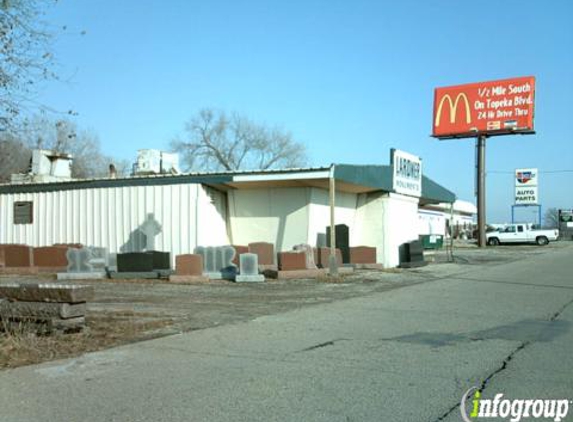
pixel 288 216
pixel 285 216
pixel 109 217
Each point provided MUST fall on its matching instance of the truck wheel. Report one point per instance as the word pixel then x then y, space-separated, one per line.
pixel 493 241
pixel 542 241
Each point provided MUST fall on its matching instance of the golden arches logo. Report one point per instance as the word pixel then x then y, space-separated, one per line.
pixel 453 108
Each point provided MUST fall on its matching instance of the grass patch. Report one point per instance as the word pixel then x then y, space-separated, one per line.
pixel 23 345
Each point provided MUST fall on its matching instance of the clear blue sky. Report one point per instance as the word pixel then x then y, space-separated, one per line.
pixel 350 79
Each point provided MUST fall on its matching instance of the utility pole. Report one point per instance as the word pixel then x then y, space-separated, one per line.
pixel 480 168
pixel 332 264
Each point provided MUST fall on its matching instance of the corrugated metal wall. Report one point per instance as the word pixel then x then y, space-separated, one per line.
pixel 189 214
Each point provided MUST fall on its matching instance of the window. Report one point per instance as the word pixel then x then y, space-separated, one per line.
pixel 23 212
pixel 520 229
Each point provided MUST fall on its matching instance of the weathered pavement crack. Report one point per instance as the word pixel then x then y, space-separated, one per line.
pixel 503 365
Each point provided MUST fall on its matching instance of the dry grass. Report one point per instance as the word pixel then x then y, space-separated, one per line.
pixel 22 345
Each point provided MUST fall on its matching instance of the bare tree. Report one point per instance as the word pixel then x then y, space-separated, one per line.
pixel 215 140
pixel 60 136
pixel 25 57
pixel 14 157
pixel 551 218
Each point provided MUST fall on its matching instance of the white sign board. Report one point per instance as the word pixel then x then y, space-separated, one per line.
pixel 526 195
pixel 526 177
pixel 407 173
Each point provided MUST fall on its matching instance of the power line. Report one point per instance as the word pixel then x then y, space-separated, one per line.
pixel 541 172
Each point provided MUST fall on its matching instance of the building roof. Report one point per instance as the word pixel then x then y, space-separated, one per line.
pixel 349 178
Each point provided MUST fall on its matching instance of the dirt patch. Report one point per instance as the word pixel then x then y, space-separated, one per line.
pixel 23 346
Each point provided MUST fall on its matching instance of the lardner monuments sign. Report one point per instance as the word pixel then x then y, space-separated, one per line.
pixel 407 173
pixel 487 108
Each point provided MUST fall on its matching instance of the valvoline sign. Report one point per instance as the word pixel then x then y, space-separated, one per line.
pixel 486 108
pixel 526 177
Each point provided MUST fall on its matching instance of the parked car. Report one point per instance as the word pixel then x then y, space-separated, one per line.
pixel 521 233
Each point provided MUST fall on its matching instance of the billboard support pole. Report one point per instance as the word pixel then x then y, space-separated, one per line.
pixel 480 168
pixel 332 263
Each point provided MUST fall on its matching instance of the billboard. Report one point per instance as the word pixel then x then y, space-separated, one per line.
pixel 485 108
pixel 406 173
pixel 526 192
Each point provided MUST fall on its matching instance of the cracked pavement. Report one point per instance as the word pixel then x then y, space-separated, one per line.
pixel 402 354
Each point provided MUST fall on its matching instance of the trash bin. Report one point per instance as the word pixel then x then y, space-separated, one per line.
pixel 432 241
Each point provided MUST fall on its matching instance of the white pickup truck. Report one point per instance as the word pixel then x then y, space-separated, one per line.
pixel 521 233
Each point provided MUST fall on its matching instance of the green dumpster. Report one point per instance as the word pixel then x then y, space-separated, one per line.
pixel 432 241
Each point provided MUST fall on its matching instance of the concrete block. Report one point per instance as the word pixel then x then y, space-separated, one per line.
pixel 131 275
pixel 47 292
pixel 188 279
pixel 82 276
pixel 255 278
pixel 41 310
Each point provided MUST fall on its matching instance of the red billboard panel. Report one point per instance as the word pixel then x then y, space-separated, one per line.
pixel 486 108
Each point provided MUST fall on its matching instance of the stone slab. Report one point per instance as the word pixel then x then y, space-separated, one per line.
pixel 47 292
pixel 82 276
pixel 292 261
pixel 265 251
pixel 362 255
pixel 130 262
pixel 255 278
pixel 41 310
pixel 240 249
pixel 51 256
pixel 165 273
pixel 188 279
pixel 51 270
pixel 323 255
pixel 300 274
pixel 189 264
pixel 19 270
pixel 16 256
pixel 368 266
pixel 413 264
pixel 129 275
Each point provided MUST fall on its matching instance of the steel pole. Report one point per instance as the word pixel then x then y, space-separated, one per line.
pixel 332 264
pixel 480 145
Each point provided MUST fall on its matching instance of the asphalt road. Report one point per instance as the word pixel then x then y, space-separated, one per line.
pixel 406 354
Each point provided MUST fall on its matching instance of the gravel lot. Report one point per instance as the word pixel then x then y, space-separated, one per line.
pixel 162 308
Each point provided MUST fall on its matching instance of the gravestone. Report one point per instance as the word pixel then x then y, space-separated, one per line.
pixel 239 250
pixel 362 255
pixel 324 254
pixel 308 255
pixel 412 254
pixel 266 253
pixel 134 262
pixel 150 228
pixel 99 259
pixel 51 257
pixel 292 261
pixel 17 256
pixel 189 264
pixel 78 260
pixel 218 261
pixel 85 263
pixel 341 242
pixel 249 269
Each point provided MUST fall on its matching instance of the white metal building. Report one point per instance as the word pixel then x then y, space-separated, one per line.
pixel 283 207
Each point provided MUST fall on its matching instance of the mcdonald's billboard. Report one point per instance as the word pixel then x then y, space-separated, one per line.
pixel 486 108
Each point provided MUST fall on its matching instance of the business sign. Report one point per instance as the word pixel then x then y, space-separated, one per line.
pixel 406 173
pixel 526 177
pixel 486 108
pixel 526 195
pixel 566 216
pixel 526 189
